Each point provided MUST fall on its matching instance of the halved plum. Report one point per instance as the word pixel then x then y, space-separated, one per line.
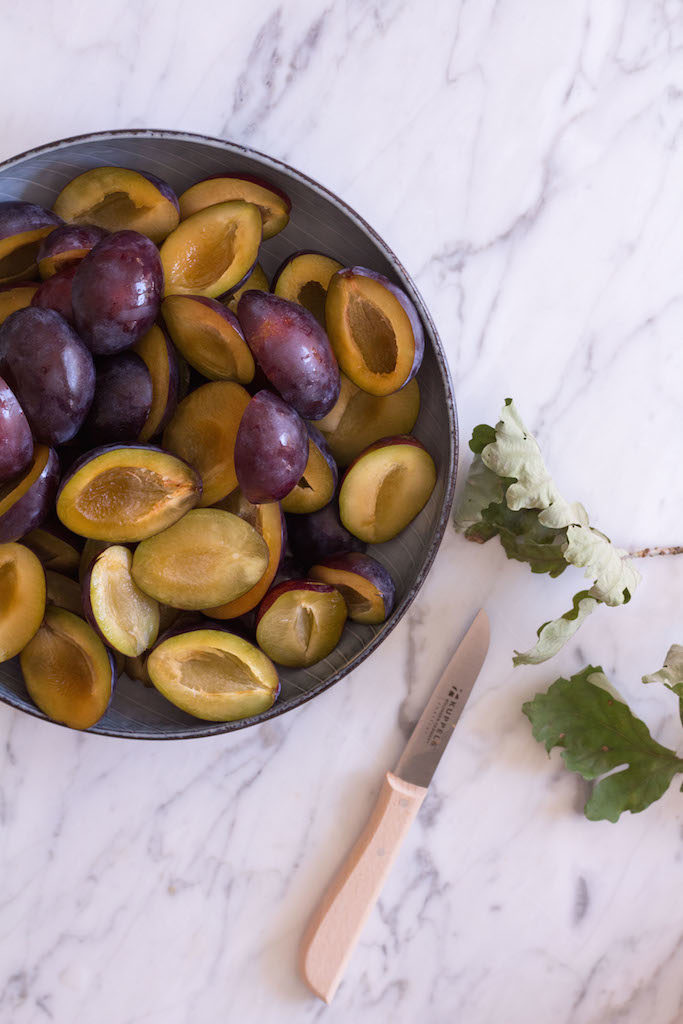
pixel 125 618
pixel 257 281
pixel 16 295
pixel 209 336
pixel 50 371
pixel 318 535
pixel 27 501
pixel 160 358
pixel 55 293
pixel 126 493
pixel 300 622
pixel 374 329
pixel 214 675
pixel 123 399
pixel 271 450
pixel 66 246
pixel 213 250
pixel 273 204
pixel 385 488
pixel 358 419
pixel 120 199
pixel 208 558
pixel 304 278
pixel 22 228
pixel 16 440
pixel 365 585
pixel 269 522
pixel 117 292
pixel 63 592
pixel 57 548
pixel 203 432
pixel 22 598
pixel 69 673
pixel 318 482
pixel 293 351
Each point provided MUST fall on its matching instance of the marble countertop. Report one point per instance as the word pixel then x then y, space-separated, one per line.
pixel 524 158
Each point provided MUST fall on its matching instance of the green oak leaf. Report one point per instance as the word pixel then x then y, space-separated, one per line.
pixel 482 488
pixel 671 674
pixel 599 735
pixel 552 636
pixel 523 538
pixel 609 566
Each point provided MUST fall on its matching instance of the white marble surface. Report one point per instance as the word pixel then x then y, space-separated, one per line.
pixel 525 160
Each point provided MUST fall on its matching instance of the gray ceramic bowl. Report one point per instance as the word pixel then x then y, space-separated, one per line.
pixel 319 221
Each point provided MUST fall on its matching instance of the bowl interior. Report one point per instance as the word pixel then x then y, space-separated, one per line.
pixel 319 220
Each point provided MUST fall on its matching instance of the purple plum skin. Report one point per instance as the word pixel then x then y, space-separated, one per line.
pixel 16 217
pixel 55 293
pixel 70 238
pixel 271 450
pixel 123 398
pixel 16 441
pixel 408 307
pixel 117 292
pixel 34 507
pixel 319 535
pixel 50 371
pixel 370 569
pixel 293 351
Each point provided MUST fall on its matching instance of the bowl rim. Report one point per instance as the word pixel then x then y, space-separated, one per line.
pixel 219 728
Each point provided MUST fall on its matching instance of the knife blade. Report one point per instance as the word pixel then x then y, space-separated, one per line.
pixel 336 924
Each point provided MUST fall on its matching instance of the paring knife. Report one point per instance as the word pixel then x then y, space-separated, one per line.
pixel 336 925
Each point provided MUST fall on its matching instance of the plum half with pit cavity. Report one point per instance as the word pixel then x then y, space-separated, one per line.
pixel 208 558
pixel 257 281
pixel 125 493
pixel 271 449
pixel 22 598
pixel 27 501
pixel 50 371
pixel 385 488
pixel 160 358
pixel 117 291
pixel 268 521
pixel 293 351
pixel 300 622
pixel 16 295
pixel 304 277
pixel 318 482
pixel 22 228
pixel 66 246
pixel 69 673
pixel 55 293
pixel 213 250
pixel 272 203
pixel 358 419
pixel 374 329
pixel 214 675
pixel 203 432
pixel 123 399
pixel 120 199
pixel 209 336
pixel 318 535
pixel 125 617
pixel 365 585
pixel 16 440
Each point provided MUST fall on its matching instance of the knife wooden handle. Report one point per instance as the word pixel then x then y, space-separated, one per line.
pixel 336 924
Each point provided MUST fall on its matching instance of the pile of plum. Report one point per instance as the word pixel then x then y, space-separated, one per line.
pixel 162 407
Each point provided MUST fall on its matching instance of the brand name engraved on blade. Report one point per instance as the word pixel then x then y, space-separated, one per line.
pixel 441 719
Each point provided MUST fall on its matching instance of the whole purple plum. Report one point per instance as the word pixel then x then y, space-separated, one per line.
pixel 117 292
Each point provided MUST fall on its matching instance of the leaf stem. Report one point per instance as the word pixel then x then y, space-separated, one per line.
pixel 653 552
